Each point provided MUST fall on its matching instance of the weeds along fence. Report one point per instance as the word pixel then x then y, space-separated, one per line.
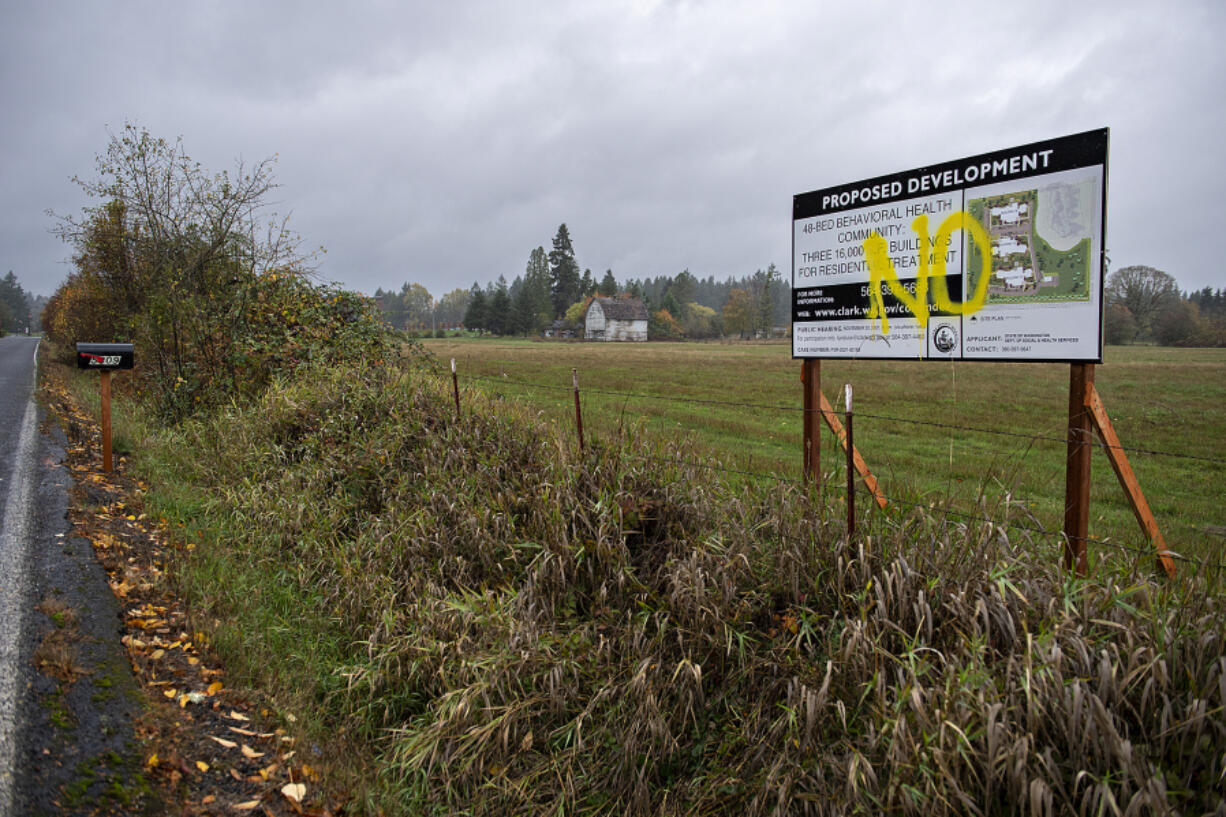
pixel 1024 514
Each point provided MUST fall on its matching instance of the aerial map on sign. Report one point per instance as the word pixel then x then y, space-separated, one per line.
pixel 1040 241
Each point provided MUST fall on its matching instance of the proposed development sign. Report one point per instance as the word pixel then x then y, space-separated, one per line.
pixel 992 257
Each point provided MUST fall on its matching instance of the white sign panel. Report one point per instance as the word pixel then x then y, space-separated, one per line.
pixel 993 257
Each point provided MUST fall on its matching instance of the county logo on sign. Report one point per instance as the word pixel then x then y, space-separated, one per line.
pixel 945 339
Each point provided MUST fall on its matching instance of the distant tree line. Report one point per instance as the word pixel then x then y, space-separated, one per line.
pixel 1145 305
pixel 553 292
pixel 414 308
pixel 19 309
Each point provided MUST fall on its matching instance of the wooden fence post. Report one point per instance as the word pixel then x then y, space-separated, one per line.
pixel 851 470
pixel 574 377
pixel 455 387
pixel 1077 473
pixel 811 378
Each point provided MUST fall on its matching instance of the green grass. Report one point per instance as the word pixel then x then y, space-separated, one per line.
pixel 911 421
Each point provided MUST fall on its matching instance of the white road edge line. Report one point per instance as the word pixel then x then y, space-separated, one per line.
pixel 14 539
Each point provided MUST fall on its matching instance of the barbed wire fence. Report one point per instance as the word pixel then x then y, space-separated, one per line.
pixel 1033 526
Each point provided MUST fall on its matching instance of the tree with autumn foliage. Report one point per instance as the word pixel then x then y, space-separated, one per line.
pixel 740 312
pixel 194 269
pixel 663 326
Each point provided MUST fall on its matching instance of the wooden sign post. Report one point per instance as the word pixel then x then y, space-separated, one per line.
pixel 1077 471
pixel 106 421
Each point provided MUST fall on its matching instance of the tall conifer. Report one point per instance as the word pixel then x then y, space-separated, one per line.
pixel 563 273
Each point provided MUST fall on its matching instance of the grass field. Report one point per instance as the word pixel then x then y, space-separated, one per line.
pixel 742 401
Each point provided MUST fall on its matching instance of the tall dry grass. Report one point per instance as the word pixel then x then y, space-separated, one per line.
pixel 502 625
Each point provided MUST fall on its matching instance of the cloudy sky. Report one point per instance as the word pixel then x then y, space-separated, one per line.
pixel 440 142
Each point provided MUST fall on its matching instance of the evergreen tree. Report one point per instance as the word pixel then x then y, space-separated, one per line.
pixel 520 317
pixel 563 273
pixel 476 315
pixel 608 284
pixel 393 309
pixel 671 305
pixel 14 298
pixel 684 288
pixel 587 285
pixel 499 319
pixel 532 306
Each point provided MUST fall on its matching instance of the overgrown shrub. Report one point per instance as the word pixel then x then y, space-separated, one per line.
pixel 182 263
pixel 505 626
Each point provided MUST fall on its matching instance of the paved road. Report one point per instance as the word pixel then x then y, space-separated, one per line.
pixel 18 467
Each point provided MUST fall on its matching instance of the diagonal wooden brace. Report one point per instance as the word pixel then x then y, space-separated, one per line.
pixel 832 420
pixel 1128 479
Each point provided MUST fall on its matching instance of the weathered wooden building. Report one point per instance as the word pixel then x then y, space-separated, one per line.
pixel 616 319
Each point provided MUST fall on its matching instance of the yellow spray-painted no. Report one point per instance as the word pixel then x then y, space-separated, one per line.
pixel 881 270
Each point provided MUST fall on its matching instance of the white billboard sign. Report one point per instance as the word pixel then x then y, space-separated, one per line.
pixel 992 257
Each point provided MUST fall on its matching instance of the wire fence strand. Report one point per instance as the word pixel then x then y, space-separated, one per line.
pixel 503 379
pixel 802 483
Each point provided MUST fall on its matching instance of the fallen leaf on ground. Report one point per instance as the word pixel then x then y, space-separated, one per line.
pixel 251 753
pixel 202 766
pixel 294 791
pixel 229 744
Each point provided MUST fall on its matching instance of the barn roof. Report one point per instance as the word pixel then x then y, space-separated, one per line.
pixel 622 309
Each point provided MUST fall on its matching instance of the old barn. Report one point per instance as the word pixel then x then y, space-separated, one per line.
pixel 616 319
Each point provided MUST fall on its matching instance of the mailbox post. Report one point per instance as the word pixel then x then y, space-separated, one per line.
pixel 105 358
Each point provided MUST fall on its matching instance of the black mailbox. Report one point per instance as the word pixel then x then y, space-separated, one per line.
pixel 105 356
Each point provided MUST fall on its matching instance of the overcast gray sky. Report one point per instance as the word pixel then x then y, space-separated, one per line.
pixel 440 142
